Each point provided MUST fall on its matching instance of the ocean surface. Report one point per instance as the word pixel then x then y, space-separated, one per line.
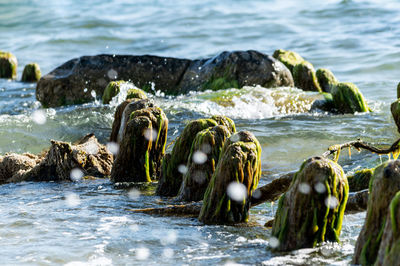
pixel 89 222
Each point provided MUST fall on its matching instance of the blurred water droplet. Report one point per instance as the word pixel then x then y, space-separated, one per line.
pixel 91 148
pixel 150 134
pixel 182 169
pixel 331 202
pixel 256 194
pixel 199 157
pixel 142 253
pixel 72 199
pixel 168 253
pixel 304 188
pixel 199 177
pixel 39 117
pixel 320 188
pixel 134 227
pixel 85 90
pixel 169 238
pixel 112 74
pixel 134 194
pixel 235 137
pixel 113 147
pixel 237 191
pixel 206 148
pixel 274 242
pixel 76 174
pixel 93 93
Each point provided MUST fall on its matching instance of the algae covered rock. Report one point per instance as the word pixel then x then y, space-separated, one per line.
pixel 8 65
pixel 115 87
pixel 203 159
pixel 398 90
pixel 389 249
pixel 142 146
pixel 312 210
pixel 395 109
pixel 326 79
pixel 304 77
pixel 347 98
pixel 360 180
pixel 384 185
pixel 289 58
pixel 31 73
pixel 227 198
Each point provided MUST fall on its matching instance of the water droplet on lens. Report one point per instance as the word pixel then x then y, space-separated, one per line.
pixel 76 174
pixel 256 194
pixel 304 188
pixel 39 117
pixel 274 242
pixel 235 137
pixel 168 253
pixel 237 191
pixel 72 199
pixel 113 147
pixel 93 93
pixel 91 148
pixel 331 202
pixel 134 227
pixel 142 253
pixel 182 169
pixel 150 134
pixel 112 74
pixel 134 194
pixel 199 157
pixel 320 188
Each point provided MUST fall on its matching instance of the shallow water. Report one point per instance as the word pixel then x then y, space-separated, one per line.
pixel 89 222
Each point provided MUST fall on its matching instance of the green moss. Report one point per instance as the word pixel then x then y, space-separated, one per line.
pixel 136 93
pixel 395 109
pixel 222 81
pixel 398 90
pixel 304 220
pixel 8 65
pixel 394 206
pixel 326 79
pixel 31 73
pixel 360 180
pixel 348 98
pixel 225 121
pixel 112 89
pixel 304 77
pixel 289 58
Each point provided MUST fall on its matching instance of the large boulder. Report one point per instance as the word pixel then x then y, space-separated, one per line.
pixel 142 146
pixel 228 195
pixel 203 159
pixel 312 210
pixel 74 81
pixel 385 183
pixel 87 155
pixel 8 65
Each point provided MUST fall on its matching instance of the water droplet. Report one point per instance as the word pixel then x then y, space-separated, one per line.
pixel 72 200
pixel 304 188
pixel 91 148
pixel 169 238
pixel 39 117
pixel 113 147
pixel 199 157
pixel 134 227
pixel 235 138
pixel 142 253
pixel 206 148
pixel 182 169
pixel 150 134
pixel 331 202
pixel 134 194
pixel 199 177
pixel 85 90
pixel 256 194
pixel 168 253
pixel 274 242
pixel 112 74
pixel 320 188
pixel 93 93
pixel 237 191
pixel 76 174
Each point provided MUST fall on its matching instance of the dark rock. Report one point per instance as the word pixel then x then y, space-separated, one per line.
pixel 72 82
pixel 227 198
pixel 384 185
pixel 31 73
pixel 142 146
pixel 311 211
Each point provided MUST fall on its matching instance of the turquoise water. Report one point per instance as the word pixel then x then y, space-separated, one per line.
pixel 89 222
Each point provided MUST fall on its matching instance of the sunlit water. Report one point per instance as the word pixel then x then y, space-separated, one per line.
pixel 90 222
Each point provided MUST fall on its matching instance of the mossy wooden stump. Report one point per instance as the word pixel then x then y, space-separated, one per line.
pixel 347 98
pixel 171 170
pixel 311 211
pixel 395 109
pixel 8 65
pixel 385 183
pixel 122 114
pixel 208 143
pixel 239 166
pixel 304 77
pixel 360 180
pixel 115 87
pixel 389 249
pixel 31 73
pixel 326 79
pixel 142 146
pixel 289 58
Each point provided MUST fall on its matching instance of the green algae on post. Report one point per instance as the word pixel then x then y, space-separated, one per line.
pixel 208 142
pixel 304 77
pixel 395 109
pixel 326 79
pixel 114 87
pixel 360 180
pixel 227 198
pixel 312 210
pixel 31 73
pixel 8 65
pixel 347 98
pixel 384 184
pixel 289 58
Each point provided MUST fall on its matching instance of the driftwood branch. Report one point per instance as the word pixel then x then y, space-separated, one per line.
pixel 359 144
